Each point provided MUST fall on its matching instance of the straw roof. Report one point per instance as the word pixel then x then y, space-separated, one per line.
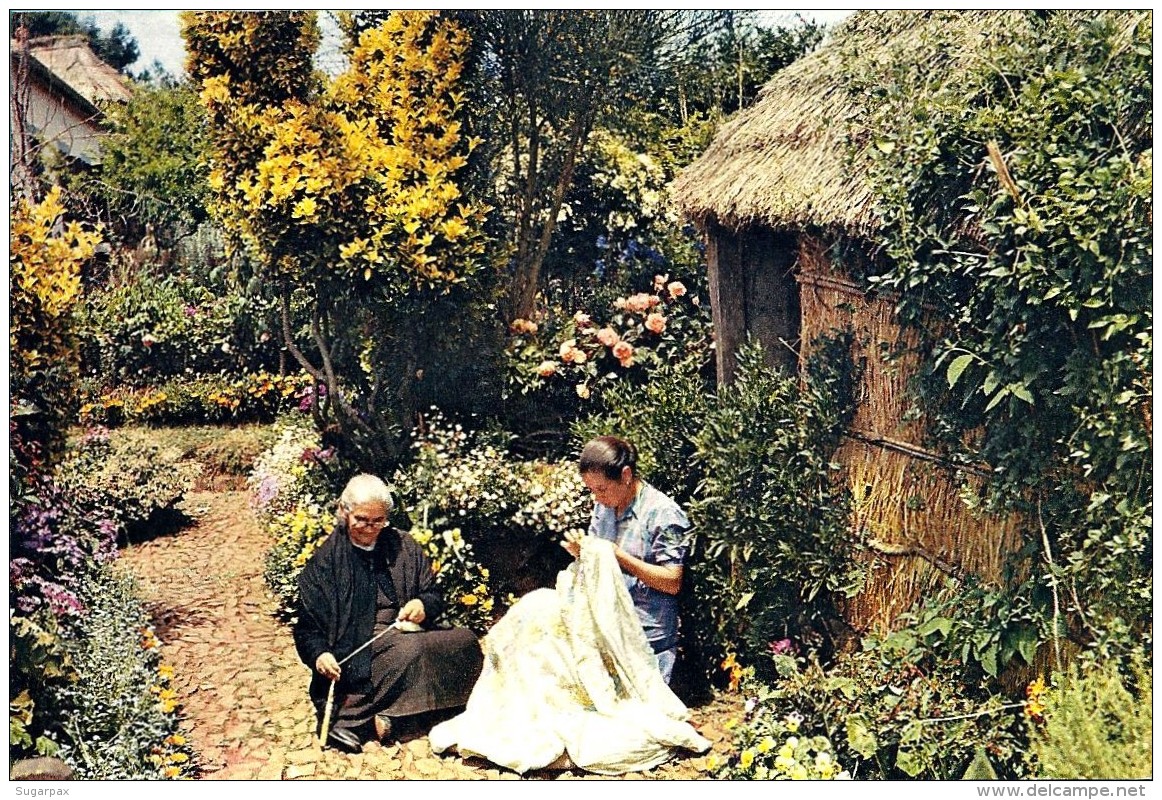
pixel 785 163
pixel 70 61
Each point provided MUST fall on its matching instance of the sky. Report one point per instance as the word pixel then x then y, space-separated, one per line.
pixel 158 33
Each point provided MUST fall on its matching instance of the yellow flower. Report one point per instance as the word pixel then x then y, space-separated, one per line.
pixel 766 745
pixel 786 751
pixel 731 724
pixel 172 772
pixel 178 758
pixel 798 773
pixel 175 739
pixel 712 763
pixel 165 671
pixel 469 600
pixel 746 759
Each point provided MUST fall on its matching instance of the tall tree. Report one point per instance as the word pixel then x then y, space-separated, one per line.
pixel 556 74
pixel 346 192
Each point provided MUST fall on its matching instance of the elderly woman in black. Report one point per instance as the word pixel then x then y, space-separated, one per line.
pixel 365 580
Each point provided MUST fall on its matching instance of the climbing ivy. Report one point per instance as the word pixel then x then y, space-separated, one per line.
pixel 1015 196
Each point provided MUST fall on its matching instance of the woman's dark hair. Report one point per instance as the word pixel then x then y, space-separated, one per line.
pixel 609 456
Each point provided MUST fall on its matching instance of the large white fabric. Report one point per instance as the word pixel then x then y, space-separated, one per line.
pixel 569 677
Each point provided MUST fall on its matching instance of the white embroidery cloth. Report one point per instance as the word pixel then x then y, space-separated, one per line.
pixel 569 676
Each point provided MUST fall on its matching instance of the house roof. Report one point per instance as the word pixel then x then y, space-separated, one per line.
pixel 798 156
pixel 70 61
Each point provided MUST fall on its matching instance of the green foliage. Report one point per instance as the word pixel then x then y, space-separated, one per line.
pixel 723 73
pixel 895 710
pixel 777 538
pixel 133 481
pixel 512 511
pixel 117 721
pixel 1016 198
pixel 569 364
pixel 149 328
pixel 152 176
pixel 1098 724
pixel 38 661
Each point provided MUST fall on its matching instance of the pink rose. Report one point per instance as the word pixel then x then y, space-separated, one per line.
pixel 677 289
pixel 660 281
pixel 582 320
pixel 656 322
pixel 567 347
pixel 608 337
pixel 547 368
pixel 623 352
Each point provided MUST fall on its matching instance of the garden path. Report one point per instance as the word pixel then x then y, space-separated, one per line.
pixel 241 686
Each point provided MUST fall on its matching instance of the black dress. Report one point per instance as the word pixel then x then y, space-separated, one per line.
pixel 348 595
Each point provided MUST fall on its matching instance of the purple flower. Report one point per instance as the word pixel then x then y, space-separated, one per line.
pixel 190 311
pixel 267 491
pixel 783 647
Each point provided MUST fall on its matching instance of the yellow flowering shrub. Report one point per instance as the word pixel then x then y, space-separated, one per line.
pixel 45 255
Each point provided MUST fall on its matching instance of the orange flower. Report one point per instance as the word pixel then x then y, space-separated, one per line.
pixel 623 352
pixel 660 281
pixel 582 320
pixel 677 289
pixel 656 322
pixel 731 665
pixel 640 303
pixel 547 368
pixel 608 337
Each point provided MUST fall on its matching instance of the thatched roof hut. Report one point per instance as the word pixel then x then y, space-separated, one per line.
pixel 784 162
pixel 779 193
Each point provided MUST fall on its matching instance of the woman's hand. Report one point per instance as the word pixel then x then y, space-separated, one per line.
pixel 413 611
pixel 572 543
pixel 328 667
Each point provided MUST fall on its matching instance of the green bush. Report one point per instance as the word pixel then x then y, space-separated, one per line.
pixel 894 711
pixel 1096 724
pixel 132 480
pixel 118 719
pixel 777 545
pixel 150 328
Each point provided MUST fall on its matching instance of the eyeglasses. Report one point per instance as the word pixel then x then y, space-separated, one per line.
pixel 369 522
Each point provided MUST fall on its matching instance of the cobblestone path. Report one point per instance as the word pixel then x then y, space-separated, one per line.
pixel 242 687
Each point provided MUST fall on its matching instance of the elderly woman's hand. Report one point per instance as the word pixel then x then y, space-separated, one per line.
pixel 328 667
pixel 413 611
